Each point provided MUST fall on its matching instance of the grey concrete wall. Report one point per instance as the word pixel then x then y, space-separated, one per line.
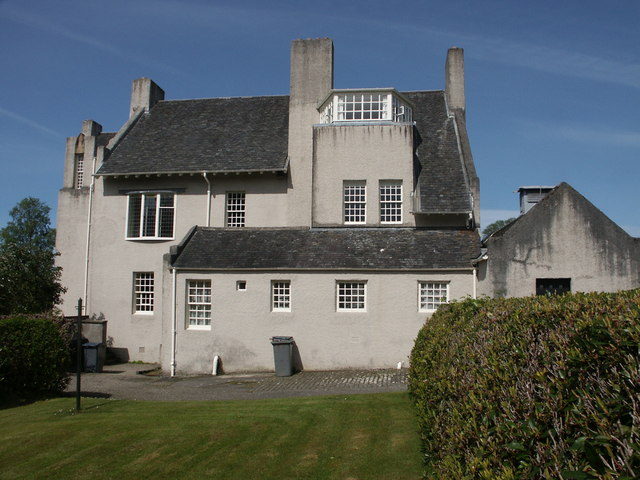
pixel 360 152
pixel 71 231
pixel 564 236
pixel 243 323
pixel 311 82
pixel 115 259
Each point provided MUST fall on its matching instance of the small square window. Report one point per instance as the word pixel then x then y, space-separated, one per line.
pixel 431 295
pixel 351 296
pixel 241 285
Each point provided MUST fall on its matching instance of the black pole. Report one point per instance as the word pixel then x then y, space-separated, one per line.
pixel 78 353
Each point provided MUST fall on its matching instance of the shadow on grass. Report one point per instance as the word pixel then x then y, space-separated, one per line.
pixel 13 400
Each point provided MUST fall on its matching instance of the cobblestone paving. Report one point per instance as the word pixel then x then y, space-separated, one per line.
pixel 125 381
pixel 358 379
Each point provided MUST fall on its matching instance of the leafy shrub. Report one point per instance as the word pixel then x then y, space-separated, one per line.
pixel 539 387
pixel 34 355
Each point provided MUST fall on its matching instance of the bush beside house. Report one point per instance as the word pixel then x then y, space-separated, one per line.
pixel 34 355
pixel 538 387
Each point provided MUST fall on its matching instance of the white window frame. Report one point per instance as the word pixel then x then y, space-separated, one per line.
pixel 143 293
pixel 431 294
pixel 281 295
pixel 144 222
pixel 199 304
pixel 365 106
pixel 354 202
pixel 351 296
pixel 390 201
pixel 235 209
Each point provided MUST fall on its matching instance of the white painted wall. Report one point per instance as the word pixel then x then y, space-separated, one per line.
pixel 243 322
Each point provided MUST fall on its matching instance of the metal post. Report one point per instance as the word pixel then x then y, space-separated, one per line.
pixel 78 352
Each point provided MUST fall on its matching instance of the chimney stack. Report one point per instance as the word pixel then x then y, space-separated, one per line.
pixel 454 79
pixel 144 94
pixel 311 70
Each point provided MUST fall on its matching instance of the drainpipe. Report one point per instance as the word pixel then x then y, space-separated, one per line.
pixel 86 251
pixel 173 323
pixel 208 222
pixel 475 271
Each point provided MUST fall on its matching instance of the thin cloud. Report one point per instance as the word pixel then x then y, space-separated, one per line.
pixel 29 122
pixel 555 60
pixel 581 134
pixel 526 55
pixel 40 23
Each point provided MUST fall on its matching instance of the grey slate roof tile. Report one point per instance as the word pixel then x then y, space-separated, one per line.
pixel 441 177
pixel 333 249
pixel 251 133
pixel 214 135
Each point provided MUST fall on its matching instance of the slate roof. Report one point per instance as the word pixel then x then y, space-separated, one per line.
pixel 331 249
pixel 442 184
pixel 251 134
pixel 213 135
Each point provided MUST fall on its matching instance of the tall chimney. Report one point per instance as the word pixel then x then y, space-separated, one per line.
pixel 311 70
pixel 311 83
pixel 454 79
pixel 144 94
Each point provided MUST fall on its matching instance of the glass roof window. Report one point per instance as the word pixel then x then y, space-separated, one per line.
pixel 365 106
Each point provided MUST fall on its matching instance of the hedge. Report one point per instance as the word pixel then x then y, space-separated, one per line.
pixel 34 355
pixel 523 388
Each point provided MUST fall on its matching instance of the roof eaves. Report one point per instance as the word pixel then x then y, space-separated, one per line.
pixel 284 169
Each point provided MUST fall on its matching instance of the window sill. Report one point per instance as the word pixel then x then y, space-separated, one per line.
pixel 199 328
pixel 150 239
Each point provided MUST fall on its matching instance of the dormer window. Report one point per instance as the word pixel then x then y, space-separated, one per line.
pixel 365 106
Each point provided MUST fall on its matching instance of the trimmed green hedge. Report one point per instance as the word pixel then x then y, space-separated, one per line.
pixel 538 387
pixel 34 355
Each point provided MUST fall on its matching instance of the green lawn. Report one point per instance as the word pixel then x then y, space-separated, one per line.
pixel 337 437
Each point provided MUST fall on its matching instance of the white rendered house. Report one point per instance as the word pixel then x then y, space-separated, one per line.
pixel 341 217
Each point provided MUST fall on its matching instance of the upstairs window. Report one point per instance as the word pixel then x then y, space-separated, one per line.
pixel 355 202
pixel 235 209
pixel 366 106
pixel 79 170
pixel 362 106
pixel 150 216
pixel 390 201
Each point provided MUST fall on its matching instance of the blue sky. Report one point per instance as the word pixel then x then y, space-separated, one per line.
pixel 552 88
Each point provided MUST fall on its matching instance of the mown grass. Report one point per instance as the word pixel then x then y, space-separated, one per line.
pixel 335 437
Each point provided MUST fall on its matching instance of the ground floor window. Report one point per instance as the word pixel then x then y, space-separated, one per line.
pixel 432 294
pixel 351 296
pixel 143 287
pixel 199 304
pixel 552 286
pixel 281 296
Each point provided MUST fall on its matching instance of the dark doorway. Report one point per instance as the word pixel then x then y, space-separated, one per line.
pixel 552 286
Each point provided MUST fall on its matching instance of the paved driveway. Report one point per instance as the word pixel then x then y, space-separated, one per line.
pixel 125 381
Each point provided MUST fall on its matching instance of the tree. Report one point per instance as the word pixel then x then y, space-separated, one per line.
pixel 29 278
pixel 497 225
